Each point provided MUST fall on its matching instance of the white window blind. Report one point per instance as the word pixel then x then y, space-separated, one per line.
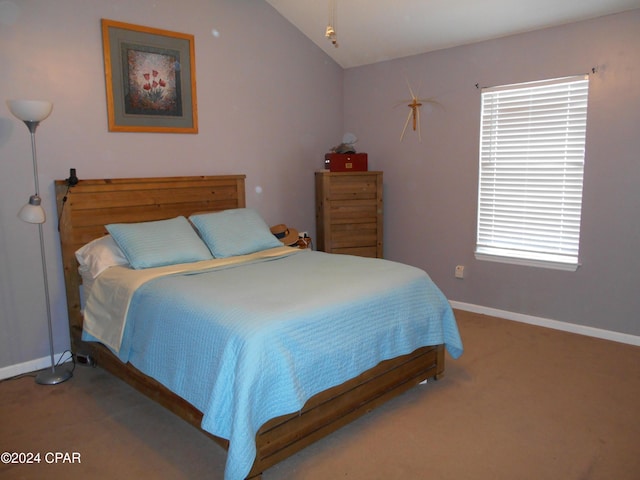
pixel 532 139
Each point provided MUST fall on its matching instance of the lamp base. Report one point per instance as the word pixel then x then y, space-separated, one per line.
pixel 53 376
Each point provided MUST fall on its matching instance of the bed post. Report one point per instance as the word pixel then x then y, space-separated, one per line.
pixel 439 362
pixel 69 263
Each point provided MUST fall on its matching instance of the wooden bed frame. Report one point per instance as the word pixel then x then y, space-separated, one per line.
pixel 84 210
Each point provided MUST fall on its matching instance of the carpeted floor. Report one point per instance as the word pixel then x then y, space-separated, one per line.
pixel 523 402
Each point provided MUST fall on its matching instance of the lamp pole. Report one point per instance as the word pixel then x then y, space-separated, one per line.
pixel 32 112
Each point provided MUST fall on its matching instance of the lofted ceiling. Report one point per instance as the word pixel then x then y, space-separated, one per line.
pixel 370 31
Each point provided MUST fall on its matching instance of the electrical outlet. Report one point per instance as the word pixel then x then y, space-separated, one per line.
pixel 303 234
pixel 84 359
pixel 459 271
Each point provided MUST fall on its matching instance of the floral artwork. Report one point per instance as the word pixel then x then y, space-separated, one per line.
pixel 152 84
pixel 150 79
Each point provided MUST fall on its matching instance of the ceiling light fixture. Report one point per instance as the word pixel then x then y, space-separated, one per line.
pixel 330 33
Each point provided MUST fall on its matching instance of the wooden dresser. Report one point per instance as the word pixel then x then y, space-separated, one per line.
pixel 349 213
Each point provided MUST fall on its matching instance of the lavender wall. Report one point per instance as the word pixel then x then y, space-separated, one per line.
pixel 431 187
pixel 269 101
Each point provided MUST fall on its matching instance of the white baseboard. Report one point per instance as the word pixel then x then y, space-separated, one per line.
pixel 554 324
pixel 30 366
pixel 44 362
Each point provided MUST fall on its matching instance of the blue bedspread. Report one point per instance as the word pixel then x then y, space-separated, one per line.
pixel 248 343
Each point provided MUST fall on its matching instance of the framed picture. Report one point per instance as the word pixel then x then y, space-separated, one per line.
pixel 150 78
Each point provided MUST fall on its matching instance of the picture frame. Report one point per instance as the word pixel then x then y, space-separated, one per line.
pixel 150 78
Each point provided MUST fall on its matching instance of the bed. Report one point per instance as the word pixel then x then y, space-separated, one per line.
pixel 293 394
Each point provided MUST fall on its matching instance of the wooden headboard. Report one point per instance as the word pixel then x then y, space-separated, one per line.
pixel 87 207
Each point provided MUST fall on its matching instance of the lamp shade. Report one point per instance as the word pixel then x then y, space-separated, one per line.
pixel 32 212
pixel 30 110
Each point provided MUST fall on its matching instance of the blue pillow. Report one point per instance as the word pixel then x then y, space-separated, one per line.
pixel 234 232
pixel 159 243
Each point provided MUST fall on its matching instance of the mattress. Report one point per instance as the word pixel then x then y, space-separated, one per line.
pixel 256 337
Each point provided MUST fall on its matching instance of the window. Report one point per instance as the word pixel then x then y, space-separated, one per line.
pixel 532 138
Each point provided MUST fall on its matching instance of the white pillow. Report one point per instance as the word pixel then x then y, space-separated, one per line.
pixel 234 232
pixel 98 255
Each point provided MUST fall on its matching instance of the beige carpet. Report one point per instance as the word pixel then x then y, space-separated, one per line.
pixel 522 403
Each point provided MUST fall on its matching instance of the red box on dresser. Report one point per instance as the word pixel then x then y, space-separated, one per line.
pixel 346 162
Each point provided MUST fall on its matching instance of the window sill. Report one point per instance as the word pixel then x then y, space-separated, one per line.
pixel 528 262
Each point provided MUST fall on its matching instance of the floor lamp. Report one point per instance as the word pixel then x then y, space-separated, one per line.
pixel 32 112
